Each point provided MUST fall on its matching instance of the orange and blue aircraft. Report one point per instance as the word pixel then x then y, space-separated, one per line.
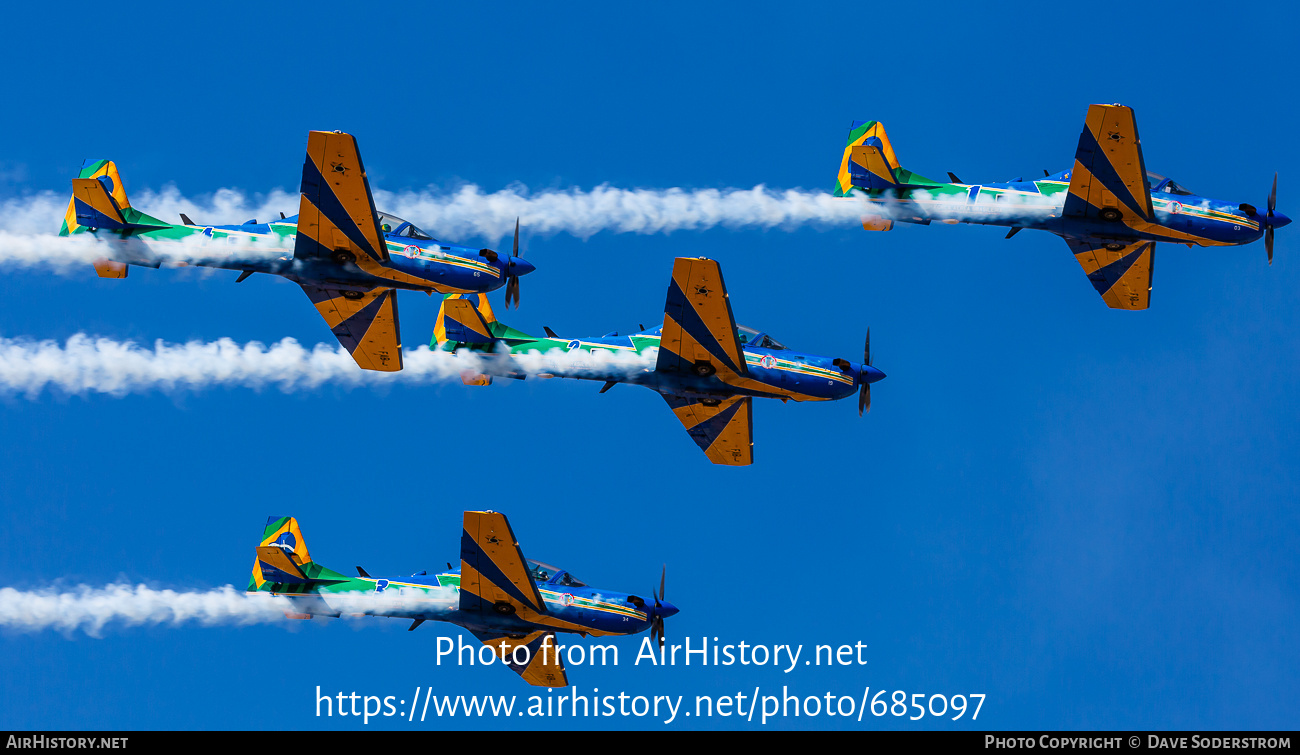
pixel 349 258
pixel 512 604
pixel 707 368
pixel 1108 207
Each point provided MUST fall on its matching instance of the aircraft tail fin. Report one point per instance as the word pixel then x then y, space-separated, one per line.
pixel 283 559
pixel 99 201
pixel 869 162
pixel 464 320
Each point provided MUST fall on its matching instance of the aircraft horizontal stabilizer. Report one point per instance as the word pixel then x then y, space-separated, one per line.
pixel 870 170
pixel 95 207
pixel 462 323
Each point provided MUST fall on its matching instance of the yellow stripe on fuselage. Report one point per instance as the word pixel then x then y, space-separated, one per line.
pixel 786 365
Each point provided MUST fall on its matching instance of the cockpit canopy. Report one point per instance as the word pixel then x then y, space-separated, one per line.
pixel 392 225
pixel 1161 185
pixel 544 573
pixel 757 339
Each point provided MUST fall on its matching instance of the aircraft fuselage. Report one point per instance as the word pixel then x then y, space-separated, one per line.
pixel 1180 218
pixel 414 264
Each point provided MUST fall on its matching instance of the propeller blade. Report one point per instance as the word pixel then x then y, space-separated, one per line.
pixel 515 252
pixel 864 399
pixel 1272 196
pixel 866 350
pixel 662 576
pixel 1268 243
pixel 512 291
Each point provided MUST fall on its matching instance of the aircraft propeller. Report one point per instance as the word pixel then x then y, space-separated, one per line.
pixel 512 281
pixel 657 621
pixel 864 393
pixel 1268 221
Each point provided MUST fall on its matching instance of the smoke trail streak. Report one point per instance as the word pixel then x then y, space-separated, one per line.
pixel 89 365
pixel 91 608
pixel 467 214
pixel 471 212
pixel 28 224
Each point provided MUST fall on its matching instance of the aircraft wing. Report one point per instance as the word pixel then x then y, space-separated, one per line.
pixel 493 572
pixel 1109 174
pixel 545 667
pixel 1121 276
pixel 725 432
pixel 699 333
pixel 336 213
pixel 366 326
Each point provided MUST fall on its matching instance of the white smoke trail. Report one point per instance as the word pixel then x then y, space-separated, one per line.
pixel 471 212
pixel 89 365
pixel 91 608
pixel 28 224
pixel 467 214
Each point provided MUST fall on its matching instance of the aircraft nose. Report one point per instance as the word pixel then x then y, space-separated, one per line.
pixel 871 375
pixel 520 266
pixel 1280 220
pixel 667 609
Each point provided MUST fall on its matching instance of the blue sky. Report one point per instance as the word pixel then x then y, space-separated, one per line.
pixel 1088 515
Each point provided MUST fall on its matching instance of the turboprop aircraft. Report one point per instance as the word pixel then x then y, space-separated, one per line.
pixel 706 367
pixel 349 258
pixel 512 604
pixel 1108 207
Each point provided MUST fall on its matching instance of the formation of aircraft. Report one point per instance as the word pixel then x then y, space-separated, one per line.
pixel 349 258
pixel 512 604
pixel 707 368
pixel 1108 207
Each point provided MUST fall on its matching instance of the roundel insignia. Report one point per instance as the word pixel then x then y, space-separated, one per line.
pixel 768 361
pixel 568 600
pixel 574 344
pixel 412 251
pixel 1175 207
